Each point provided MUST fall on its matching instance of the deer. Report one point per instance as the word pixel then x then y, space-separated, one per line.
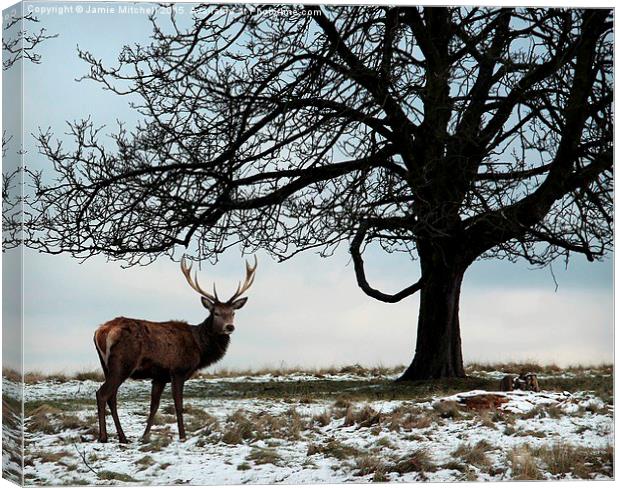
pixel 164 352
pixel 525 381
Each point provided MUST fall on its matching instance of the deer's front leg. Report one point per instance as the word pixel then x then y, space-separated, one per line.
pixel 177 395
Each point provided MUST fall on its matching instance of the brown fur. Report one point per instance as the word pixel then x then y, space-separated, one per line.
pixel 484 402
pixel 525 381
pixel 507 383
pixel 162 351
pixel 529 382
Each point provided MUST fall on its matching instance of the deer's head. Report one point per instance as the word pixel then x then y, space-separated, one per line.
pixel 222 312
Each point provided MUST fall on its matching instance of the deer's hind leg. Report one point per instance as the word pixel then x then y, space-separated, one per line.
pixel 112 404
pixel 117 372
pixel 117 423
pixel 156 391
pixel 106 394
pixel 177 395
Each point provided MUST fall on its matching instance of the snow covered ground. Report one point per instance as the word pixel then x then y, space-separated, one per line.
pixel 546 435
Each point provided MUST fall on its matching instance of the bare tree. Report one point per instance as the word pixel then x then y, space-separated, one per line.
pixel 18 42
pixel 451 134
pixel 18 45
pixel 11 197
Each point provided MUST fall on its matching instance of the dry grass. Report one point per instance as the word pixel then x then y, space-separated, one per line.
pixel 333 448
pixel 48 419
pixel 354 369
pixel 114 476
pixel 562 459
pixel 515 368
pixel 362 417
pixel 194 418
pixel 244 426
pixel 378 372
pixel 37 377
pixel 523 464
pixel 407 417
pixel 159 439
pixel 468 473
pixel 32 377
pixel 550 410
pixel 324 418
pixel 533 367
pixel 93 375
pixel 475 455
pixel 384 442
pixel 40 419
pixel 145 462
pixel 529 433
pixel 48 456
pixel 447 409
pixel 371 465
pixel 97 375
pixel 416 461
pixel 164 418
pixel 12 375
pixel 342 403
pixel 489 418
pixel 71 422
pixel 262 455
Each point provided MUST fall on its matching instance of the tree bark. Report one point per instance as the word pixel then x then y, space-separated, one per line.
pixel 438 345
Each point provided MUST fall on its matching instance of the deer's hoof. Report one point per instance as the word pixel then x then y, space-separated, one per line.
pixel 182 438
pixel 123 440
pixel 103 439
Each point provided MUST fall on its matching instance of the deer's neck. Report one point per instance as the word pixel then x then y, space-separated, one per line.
pixel 212 346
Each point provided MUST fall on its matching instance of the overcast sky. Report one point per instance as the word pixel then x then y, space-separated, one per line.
pixel 307 311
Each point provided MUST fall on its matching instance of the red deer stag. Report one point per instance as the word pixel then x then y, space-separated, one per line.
pixel 164 351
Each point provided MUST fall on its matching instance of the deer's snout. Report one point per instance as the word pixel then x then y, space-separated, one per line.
pixel 229 328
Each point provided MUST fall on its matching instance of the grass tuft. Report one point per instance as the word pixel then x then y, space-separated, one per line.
pixel 324 418
pixel 145 462
pixel 40 419
pixel 523 464
pixel 416 461
pixel 364 417
pixel 333 448
pixel 561 459
pixel 447 409
pixel 93 375
pixel 371 465
pixel 114 476
pixel 244 426
pixel 475 455
pixel 264 455
pixel 407 417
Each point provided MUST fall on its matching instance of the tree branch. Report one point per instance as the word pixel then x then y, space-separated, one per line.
pixel 358 263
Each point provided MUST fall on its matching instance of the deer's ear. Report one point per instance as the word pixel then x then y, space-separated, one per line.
pixel 237 304
pixel 206 303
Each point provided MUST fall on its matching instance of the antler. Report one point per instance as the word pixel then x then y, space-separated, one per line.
pixel 249 279
pixel 194 282
pixel 241 288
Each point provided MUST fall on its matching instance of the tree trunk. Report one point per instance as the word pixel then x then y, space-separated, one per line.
pixel 438 346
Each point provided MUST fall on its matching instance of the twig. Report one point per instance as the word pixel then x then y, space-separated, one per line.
pixel 84 459
pixel 554 279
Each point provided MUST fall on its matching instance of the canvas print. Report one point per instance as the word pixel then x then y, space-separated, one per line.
pixel 302 244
